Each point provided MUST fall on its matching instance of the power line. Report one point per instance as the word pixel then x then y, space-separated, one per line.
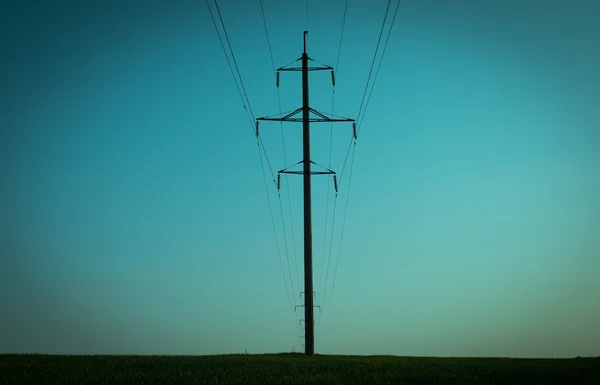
pixel 267 33
pixel 284 152
pixel 343 225
pixel 287 255
pixel 329 255
pixel 275 232
pixel 374 57
pixel 324 240
pixel 229 63
pixel 233 57
pixel 353 140
pixel 326 208
pixel 379 66
pixel 354 151
pixel 331 142
pixel 346 160
pixel 341 38
pixel 243 95
pixel 343 221
pixel 249 113
pixel 267 158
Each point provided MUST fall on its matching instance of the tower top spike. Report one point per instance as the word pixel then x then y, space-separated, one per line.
pixel 305 33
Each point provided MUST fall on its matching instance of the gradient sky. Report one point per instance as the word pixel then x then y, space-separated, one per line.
pixel 134 217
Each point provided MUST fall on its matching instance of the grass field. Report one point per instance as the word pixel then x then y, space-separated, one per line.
pixel 292 369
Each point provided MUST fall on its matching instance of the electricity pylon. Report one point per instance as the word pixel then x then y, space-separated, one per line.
pixel 309 337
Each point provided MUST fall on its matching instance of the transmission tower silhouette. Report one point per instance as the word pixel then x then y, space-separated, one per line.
pixel 308 115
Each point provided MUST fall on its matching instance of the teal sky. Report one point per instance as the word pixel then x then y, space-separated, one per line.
pixel 134 217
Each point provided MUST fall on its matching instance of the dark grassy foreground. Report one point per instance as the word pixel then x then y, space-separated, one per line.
pixel 292 369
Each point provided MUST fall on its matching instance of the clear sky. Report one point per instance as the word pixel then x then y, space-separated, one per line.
pixel 134 217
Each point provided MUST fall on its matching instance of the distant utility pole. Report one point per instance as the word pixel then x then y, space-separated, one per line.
pixel 309 337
